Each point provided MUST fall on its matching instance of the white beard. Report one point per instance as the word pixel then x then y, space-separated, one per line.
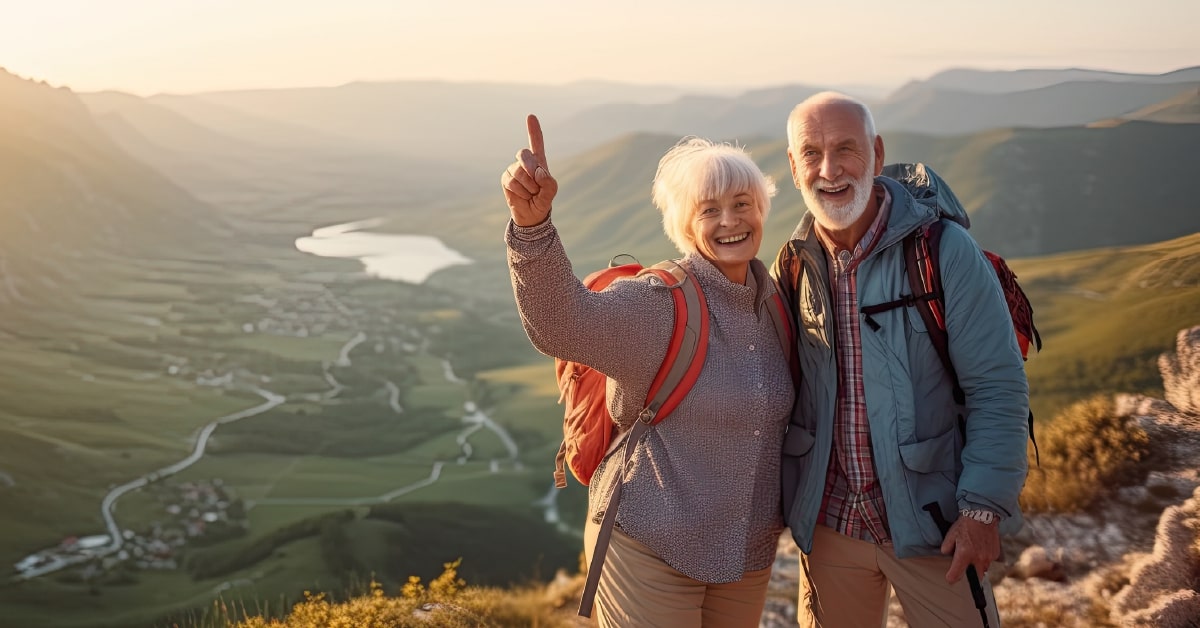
pixel 839 217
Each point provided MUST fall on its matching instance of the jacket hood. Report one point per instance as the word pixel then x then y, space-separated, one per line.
pixel 927 188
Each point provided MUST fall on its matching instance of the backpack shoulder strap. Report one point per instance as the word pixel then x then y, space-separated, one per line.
pixel 688 346
pixel 782 319
pixel 675 378
pixel 921 249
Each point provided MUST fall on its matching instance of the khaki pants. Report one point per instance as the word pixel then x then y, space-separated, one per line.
pixel 844 584
pixel 638 590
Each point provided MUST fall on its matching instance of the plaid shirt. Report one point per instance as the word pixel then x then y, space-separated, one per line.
pixel 853 501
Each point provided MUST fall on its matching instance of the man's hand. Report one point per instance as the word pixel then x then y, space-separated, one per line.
pixel 973 543
pixel 528 186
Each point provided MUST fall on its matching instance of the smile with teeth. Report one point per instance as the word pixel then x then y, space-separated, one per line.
pixel 836 190
pixel 733 239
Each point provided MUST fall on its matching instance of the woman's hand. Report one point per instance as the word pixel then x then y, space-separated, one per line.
pixel 528 186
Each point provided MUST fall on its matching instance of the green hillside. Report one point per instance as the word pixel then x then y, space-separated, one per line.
pixel 135 315
pixel 335 552
pixel 1106 315
pixel 1181 109
pixel 1040 191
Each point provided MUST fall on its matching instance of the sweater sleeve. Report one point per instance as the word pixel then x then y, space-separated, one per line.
pixel 620 331
pixel 991 372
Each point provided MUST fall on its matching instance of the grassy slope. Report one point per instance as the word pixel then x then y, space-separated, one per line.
pixel 1034 192
pixel 1106 315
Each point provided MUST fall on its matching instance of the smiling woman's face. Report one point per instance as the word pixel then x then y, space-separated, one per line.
pixel 727 231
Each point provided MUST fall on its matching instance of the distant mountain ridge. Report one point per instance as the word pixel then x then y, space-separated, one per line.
pixel 924 108
pixel 999 81
pixel 761 112
pixel 69 187
pixel 1183 108
pixel 941 108
pixel 461 124
pixel 230 158
pixel 1030 191
pixel 471 127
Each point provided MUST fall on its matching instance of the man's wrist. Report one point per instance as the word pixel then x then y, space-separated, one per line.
pixel 985 516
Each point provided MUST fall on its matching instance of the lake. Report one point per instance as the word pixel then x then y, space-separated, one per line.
pixel 399 257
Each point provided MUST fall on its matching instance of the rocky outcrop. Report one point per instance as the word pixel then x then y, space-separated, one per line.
pixel 1164 586
pixel 1181 371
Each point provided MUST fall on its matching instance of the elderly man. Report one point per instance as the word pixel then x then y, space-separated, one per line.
pixel 878 448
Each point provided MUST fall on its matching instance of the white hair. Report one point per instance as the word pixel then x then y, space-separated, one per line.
pixel 697 169
pixel 830 98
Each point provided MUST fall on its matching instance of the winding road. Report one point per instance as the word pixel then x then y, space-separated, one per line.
pixel 475 417
pixel 108 505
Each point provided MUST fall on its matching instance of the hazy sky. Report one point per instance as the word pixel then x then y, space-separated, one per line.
pixel 150 46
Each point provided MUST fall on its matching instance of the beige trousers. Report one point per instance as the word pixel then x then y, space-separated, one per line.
pixel 844 583
pixel 638 590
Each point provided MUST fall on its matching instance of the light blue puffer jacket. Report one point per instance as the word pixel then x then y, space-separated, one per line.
pixel 919 450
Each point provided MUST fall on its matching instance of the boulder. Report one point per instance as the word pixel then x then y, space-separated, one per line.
pixel 1161 585
pixel 1181 371
pixel 1035 562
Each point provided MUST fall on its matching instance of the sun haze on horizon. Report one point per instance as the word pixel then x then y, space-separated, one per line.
pixel 149 46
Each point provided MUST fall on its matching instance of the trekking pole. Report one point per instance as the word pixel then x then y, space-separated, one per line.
pixel 935 511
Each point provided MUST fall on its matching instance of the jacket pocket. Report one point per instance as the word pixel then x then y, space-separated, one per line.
pixel 916 322
pixel 794 465
pixel 932 455
pixel 931 471
pixel 797 441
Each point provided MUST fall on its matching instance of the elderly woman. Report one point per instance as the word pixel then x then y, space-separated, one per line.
pixel 699 513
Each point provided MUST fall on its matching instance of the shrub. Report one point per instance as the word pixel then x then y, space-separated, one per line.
pixel 447 601
pixel 1086 451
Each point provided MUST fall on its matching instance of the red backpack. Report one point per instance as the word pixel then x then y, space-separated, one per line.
pixel 589 433
pixel 921 249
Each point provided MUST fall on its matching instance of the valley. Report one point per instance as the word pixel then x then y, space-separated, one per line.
pixel 194 411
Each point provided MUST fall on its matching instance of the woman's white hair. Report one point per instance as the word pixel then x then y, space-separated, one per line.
pixel 697 169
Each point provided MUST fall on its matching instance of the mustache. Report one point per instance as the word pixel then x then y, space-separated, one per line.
pixel 823 184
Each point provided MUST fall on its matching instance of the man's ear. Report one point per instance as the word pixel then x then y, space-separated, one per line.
pixel 878 154
pixel 795 175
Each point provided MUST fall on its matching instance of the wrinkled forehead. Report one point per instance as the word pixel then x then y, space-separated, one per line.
pixel 829 123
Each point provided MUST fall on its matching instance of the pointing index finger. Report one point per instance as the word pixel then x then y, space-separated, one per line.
pixel 536 144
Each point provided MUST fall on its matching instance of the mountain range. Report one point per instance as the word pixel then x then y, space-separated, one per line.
pixel 470 127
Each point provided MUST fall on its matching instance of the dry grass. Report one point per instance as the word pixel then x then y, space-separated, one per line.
pixel 446 601
pixel 1086 451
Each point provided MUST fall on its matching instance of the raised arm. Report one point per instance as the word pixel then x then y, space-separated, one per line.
pixel 561 317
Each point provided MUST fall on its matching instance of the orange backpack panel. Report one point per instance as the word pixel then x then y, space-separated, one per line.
pixel 589 432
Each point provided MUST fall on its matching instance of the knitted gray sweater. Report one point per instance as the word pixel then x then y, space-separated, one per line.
pixel 702 489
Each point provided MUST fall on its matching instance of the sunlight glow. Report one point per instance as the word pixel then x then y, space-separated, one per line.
pixel 149 46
